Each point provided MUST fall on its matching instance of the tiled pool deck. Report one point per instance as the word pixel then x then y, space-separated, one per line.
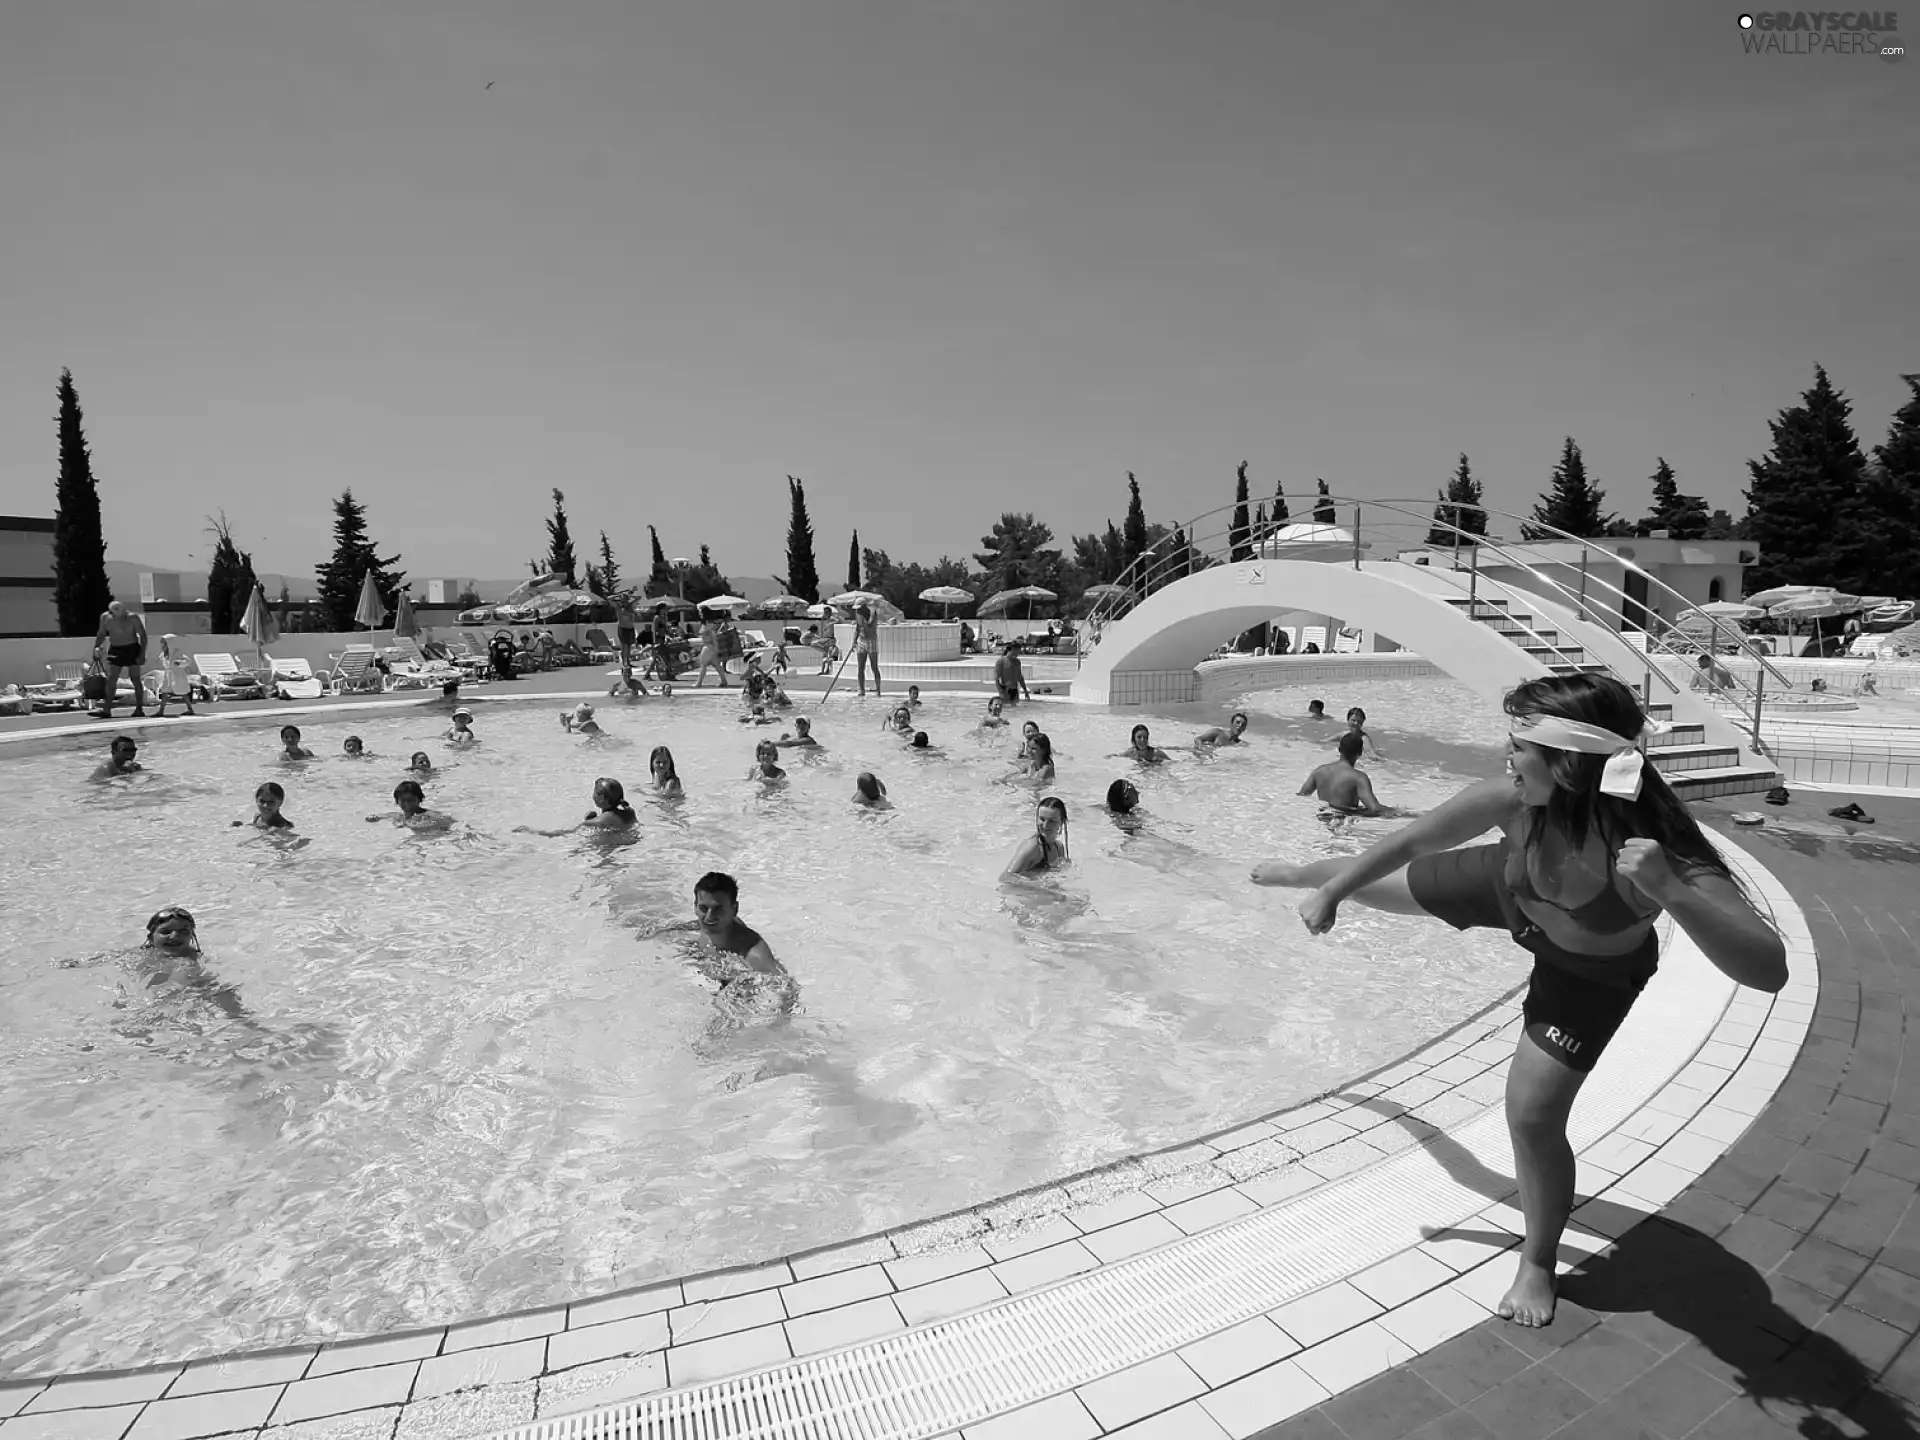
pixel 1711 1302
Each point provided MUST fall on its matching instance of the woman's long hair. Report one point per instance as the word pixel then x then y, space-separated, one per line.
pixel 654 759
pixel 1577 808
pixel 1053 802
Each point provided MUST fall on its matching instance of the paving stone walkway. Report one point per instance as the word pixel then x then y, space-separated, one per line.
pixel 1779 1296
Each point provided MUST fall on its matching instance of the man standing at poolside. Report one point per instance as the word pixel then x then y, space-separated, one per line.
pixel 866 646
pixel 1008 678
pixel 627 626
pixel 121 644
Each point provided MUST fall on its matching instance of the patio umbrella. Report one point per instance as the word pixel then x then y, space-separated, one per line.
pixel 1731 610
pixel 1816 607
pixel 259 624
pixel 1005 598
pixel 662 602
pixel 405 626
pixel 946 597
pixel 527 589
pixel 850 598
pixel 722 602
pixel 1767 599
pixel 371 610
pixel 784 602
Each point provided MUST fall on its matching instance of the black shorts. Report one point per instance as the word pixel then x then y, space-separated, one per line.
pixel 125 656
pixel 627 635
pixel 1574 1002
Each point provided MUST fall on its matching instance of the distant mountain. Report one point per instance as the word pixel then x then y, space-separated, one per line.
pixel 124 577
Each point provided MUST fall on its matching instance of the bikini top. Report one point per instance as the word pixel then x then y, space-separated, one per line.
pixel 1608 913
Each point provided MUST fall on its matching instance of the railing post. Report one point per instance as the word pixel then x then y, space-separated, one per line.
pixel 1473 578
pixel 1583 582
pixel 1356 537
pixel 1759 691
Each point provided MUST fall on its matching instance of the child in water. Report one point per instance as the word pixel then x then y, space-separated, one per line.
pixel 580 721
pixel 267 801
pixel 870 793
pixel 420 763
pixel 290 739
pixel 462 731
pixel 412 801
pixel 801 737
pixel 355 748
pixel 766 763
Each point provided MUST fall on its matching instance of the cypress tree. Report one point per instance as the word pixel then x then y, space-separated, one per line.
pixel 660 576
pixel 560 557
pixel 853 562
pixel 1240 534
pixel 1683 517
pixel 1133 531
pixel 1893 498
pixel 1572 504
pixel 1456 510
pixel 229 580
pixel 803 571
pixel 80 589
pixel 1277 513
pixel 354 556
pixel 609 570
pixel 1114 548
pixel 1323 507
pixel 1802 507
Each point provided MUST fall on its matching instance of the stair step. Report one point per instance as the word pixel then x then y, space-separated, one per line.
pixel 1722 780
pixel 1679 735
pixel 1587 669
pixel 1681 759
pixel 1462 601
pixel 1574 654
pixel 1665 712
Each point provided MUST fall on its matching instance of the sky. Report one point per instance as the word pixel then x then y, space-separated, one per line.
pixel 938 258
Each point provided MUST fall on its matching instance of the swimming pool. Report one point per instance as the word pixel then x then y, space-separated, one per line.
pixel 463 1085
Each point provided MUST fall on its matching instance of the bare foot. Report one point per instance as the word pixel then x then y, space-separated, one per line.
pixel 1530 1299
pixel 1274 872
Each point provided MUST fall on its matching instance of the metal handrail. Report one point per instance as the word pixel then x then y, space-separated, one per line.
pixel 1157 566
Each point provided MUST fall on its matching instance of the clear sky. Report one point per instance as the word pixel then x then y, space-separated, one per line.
pixel 939 258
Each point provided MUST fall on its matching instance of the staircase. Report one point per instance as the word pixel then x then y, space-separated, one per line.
pixel 1694 768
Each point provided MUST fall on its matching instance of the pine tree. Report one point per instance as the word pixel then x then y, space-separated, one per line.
pixel 1572 505
pixel 660 576
pixel 1457 510
pixel 1683 517
pixel 80 588
pixel 1133 531
pixel 354 556
pixel 560 557
pixel 1323 507
pixel 229 580
pixel 853 562
pixel 608 572
pixel 1802 506
pixel 1277 513
pixel 803 571
pixel 1893 498
pixel 1240 534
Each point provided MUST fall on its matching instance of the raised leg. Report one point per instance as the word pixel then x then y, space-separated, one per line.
pixel 1540 1094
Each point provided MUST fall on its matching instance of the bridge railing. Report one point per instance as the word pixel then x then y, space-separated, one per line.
pixel 1384 529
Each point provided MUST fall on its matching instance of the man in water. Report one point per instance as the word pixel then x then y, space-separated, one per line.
pixel 752 982
pixel 866 646
pixel 119 760
pixel 1342 785
pixel 1236 727
pixel 1008 680
pixel 1712 676
pixel 121 644
pixel 1316 710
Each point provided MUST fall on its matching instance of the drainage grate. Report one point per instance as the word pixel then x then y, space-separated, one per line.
pixel 935 1379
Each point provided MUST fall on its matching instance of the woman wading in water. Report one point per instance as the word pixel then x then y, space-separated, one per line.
pixel 1593 847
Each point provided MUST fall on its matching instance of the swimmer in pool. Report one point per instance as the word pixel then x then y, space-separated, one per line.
pixel 628 686
pixel 610 808
pixel 766 763
pixel 1140 747
pixel 119 759
pixel 354 748
pixel 1046 848
pixel 1342 785
pixel 1038 769
pixel 900 721
pixel 420 763
pixel 734 949
pixel 1594 848
pixel 1236 728
pixel 171 955
pixel 922 744
pixel 993 719
pixel 1028 730
pixel 462 731
pixel 1357 725
pixel 913 697
pixel 1317 710
pixel 292 748
pixel 870 792
pixel 267 801
pixel 666 779
pixel 802 736
pixel 412 801
pixel 579 720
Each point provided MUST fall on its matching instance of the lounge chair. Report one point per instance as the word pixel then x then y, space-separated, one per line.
pixel 408 669
pixel 227 680
pixel 293 679
pixel 61 690
pixel 599 648
pixel 353 669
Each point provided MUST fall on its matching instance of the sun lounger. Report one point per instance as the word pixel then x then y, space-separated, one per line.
pixel 61 690
pixel 227 680
pixel 353 669
pixel 599 648
pixel 409 669
pixel 293 679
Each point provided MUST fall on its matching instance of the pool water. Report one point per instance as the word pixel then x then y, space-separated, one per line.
pixel 423 1077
